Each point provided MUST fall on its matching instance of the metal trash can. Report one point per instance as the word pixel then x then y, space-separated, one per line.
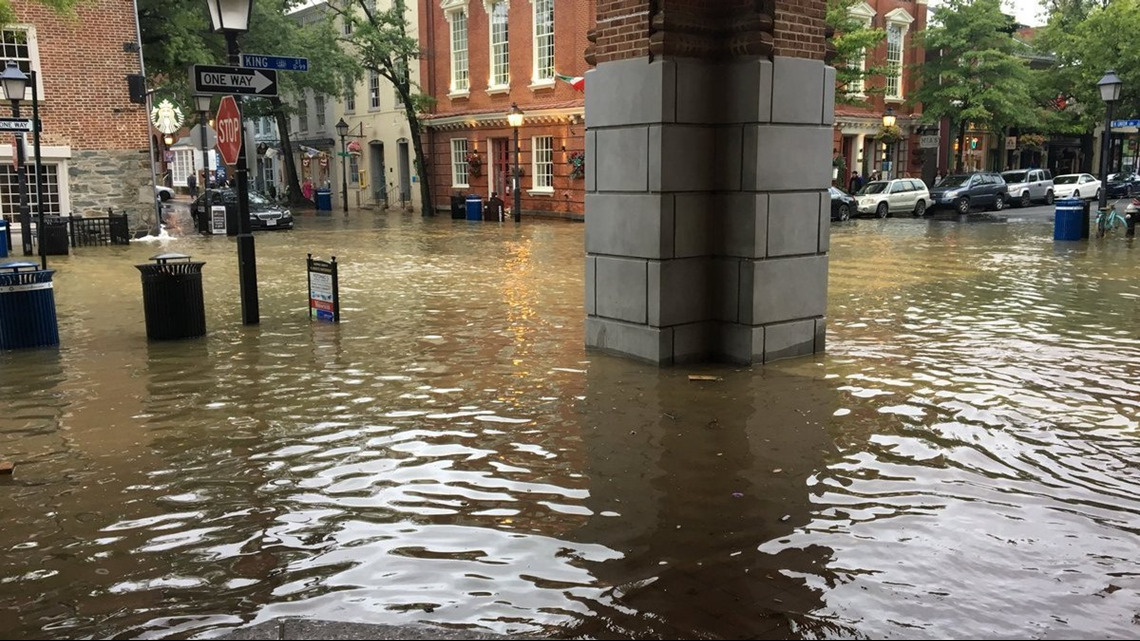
pixel 1067 220
pixel 27 306
pixel 324 200
pixel 457 212
pixel 474 207
pixel 5 238
pixel 54 236
pixel 172 297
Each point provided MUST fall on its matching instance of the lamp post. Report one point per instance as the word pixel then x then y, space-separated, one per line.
pixel 515 118
pixel 889 120
pixel 342 131
pixel 15 83
pixel 202 103
pixel 1109 85
pixel 231 17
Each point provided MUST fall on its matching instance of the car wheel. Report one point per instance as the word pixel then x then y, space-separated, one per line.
pixel 963 205
pixel 1049 197
pixel 920 208
pixel 882 210
pixel 1025 201
pixel 999 203
pixel 844 212
pixel 164 196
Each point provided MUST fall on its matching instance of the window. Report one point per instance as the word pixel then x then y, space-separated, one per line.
pixel 346 23
pixel 374 90
pixel 543 41
pixel 303 114
pixel 354 169
pixel 863 13
pixel 10 191
pixel 182 166
pixel 894 61
pixel 19 45
pixel 402 73
pixel 543 161
pixel 500 49
pixel 458 162
pixel 350 99
pixel 460 81
pixel 320 112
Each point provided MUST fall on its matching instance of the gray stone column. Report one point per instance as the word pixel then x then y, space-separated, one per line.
pixel 707 213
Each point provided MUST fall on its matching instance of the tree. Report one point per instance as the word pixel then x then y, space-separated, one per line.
pixel 384 42
pixel 853 39
pixel 974 75
pixel 8 16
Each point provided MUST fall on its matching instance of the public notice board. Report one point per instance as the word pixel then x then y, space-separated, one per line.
pixel 324 291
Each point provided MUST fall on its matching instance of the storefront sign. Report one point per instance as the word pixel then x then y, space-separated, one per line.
pixel 928 142
pixel 218 219
pixel 324 290
pixel 1010 143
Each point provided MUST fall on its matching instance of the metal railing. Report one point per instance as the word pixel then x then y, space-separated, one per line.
pixel 111 229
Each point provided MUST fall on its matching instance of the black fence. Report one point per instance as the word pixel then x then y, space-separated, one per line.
pixel 111 229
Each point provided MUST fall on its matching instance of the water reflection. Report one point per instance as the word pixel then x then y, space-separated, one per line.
pixel 961 463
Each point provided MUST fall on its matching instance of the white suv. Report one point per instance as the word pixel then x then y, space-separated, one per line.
pixel 1029 185
pixel 885 197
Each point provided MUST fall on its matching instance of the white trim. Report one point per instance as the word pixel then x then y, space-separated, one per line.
pixel 540 191
pixel 451 15
pixel 498 89
pixel 541 84
pixel 34 57
pixel 450 6
pixel 534 158
pixel 900 16
pixel 500 119
pixel 534 48
pixel 490 5
pixel 459 95
pixel 864 11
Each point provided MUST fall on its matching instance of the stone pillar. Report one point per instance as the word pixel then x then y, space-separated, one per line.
pixel 709 156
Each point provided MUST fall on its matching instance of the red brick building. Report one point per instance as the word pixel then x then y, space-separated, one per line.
pixel 484 55
pixel 94 140
pixel 857 127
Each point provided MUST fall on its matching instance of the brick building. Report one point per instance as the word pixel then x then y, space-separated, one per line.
pixel 484 55
pixel 94 140
pixel 857 127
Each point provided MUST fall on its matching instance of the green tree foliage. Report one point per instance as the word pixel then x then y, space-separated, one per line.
pixel 854 39
pixel 8 16
pixel 972 73
pixel 384 42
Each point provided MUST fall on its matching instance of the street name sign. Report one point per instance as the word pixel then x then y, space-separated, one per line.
pixel 280 63
pixel 233 80
pixel 229 130
pixel 1119 124
pixel 16 124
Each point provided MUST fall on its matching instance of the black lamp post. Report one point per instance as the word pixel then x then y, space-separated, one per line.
pixel 342 131
pixel 231 17
pixel 1109 86
pixel 15 84
pixel 515 119
pixel 202 103
pixel 889 120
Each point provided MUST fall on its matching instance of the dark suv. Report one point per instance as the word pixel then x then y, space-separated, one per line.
pixel 962 192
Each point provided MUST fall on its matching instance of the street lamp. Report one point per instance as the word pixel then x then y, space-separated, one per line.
pixel 202 104
pixel 342 131
pixel 889 120
pixel 515 118
pixel 231 17
pixel 15 83
pixel 1109 86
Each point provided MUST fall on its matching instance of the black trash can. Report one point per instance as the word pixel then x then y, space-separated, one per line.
pixel 27 306
pixel 458 207
pixel 54 236
pixel 172 297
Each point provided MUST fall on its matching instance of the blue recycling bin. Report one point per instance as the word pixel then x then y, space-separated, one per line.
pixel 324 200
pixel 27 306
pixel 474 207
pixel 4 238
pixel 1068 219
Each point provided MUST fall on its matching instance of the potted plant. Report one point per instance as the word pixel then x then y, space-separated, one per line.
pixel 890 133
pixel 475 163
pixel 1031 142
pixel 577 162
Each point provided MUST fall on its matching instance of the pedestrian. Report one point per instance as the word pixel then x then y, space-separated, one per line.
pixel 192 186
pixel 307 190
pixel 856 183
pixel 939 177
pixel 495 208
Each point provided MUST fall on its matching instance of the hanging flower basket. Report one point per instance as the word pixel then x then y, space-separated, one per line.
pixel 1031 142
pixel 890 134
pixel 354 147
pixel 577 163
pixel 474 163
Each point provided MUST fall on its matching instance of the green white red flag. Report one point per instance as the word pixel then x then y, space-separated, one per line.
pixel 577 82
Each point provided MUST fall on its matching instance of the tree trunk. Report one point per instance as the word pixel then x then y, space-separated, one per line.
pixel 292 184
pixel 414 125
pixel 959 166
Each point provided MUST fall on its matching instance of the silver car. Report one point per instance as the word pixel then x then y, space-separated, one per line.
pixel 1027 186
pixel 885 197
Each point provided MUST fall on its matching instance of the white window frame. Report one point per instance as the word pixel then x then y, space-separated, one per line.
pixel 498 87
pixel 52 155
pixel 303 114
pixel 320 111
pixel 354 170
pixel 542 165
pixel 459 174
pixel 374 91
pixel 454 11
pixel 537 80
pixel 864 13
pixel 33 58
pixel 901 20
pixel 183 165
pixel 350 100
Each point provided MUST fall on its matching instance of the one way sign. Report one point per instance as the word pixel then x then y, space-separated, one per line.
pixel 233 80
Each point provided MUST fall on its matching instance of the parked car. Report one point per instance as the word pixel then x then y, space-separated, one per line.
pixel 842 204
pixel 164 193
pixel 963 192
pixel 1082 186
pixel 1027 186
pixel 1123 185
pixel 885 197
pixel 263 213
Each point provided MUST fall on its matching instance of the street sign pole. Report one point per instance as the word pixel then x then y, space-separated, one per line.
pixel 247 258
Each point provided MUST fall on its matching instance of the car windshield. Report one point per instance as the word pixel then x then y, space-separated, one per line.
pixel 874 188
pixel 256 198
pixel 955 181
pixel 1014 176
pixel 1066 180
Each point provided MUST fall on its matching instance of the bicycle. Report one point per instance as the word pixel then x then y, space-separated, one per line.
pixel 1108 219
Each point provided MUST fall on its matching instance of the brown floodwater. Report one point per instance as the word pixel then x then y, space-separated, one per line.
pixel 963 462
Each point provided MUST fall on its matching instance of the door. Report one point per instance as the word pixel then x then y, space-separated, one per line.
pixel 899 195
pixel 404 162
pixel 376 172
pixel 502 166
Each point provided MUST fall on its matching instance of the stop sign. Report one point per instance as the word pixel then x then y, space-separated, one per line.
pixel 229 130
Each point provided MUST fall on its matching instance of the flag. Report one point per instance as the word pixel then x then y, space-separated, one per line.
pixel 578 82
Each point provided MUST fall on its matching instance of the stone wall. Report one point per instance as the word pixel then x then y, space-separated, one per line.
pixel 109 178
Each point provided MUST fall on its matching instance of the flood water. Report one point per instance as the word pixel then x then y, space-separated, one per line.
pixel 962 463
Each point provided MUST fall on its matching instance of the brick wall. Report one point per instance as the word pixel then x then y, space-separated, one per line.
pixel 623 29
pixel 799 28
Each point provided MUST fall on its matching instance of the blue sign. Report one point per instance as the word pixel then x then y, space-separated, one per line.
pixel 280 63
pixel 1117 124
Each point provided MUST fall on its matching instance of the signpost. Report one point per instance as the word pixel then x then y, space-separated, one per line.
pixel 233 80
pixel 282 63
pixel 16 124
pixel 196 138
pixel 324 290
pixel 229 130
pixel 928 142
